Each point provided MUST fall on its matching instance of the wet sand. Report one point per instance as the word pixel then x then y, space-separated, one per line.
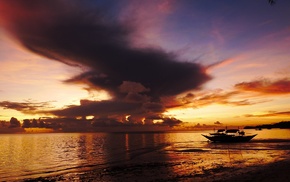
pixel 276 171
pixel 162 171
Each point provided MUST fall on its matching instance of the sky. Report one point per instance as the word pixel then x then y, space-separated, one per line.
pixel 200 62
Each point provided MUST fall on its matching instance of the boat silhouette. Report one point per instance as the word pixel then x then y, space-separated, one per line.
pixel 232 135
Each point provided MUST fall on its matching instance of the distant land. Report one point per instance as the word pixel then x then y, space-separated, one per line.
pixel 281 125
pixel 47 125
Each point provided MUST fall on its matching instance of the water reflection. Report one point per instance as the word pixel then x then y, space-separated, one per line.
pixel 114 156
pixel 37 154
pixel 272 134
pixel 34 155
pixel 132 154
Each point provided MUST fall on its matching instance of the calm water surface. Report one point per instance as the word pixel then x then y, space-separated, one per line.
pixel 26 156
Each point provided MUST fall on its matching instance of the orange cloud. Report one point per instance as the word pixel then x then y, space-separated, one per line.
pixel 213 97
pixel 265 86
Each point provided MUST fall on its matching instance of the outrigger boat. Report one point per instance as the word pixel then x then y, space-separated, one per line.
pixel 233 135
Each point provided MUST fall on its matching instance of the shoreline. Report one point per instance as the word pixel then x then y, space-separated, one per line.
pixel 274 171
pixel 168 157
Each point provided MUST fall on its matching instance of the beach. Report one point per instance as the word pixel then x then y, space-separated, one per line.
pixel 276 171
pixel 143 157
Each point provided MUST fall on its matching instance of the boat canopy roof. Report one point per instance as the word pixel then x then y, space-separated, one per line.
pixel 232 131
pixel 221 130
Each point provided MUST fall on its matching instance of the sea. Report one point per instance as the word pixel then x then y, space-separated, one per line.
pixel 148 156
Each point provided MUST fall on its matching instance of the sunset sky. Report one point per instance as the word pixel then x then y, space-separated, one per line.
pixel 198 61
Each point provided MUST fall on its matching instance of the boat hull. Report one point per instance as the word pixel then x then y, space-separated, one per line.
pixel 229 138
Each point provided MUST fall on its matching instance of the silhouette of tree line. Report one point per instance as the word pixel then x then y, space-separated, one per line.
pixel 74 124
pixel 28 123
pixel 282 125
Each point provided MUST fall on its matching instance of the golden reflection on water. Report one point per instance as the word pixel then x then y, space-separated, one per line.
pixel 272 134
pixel 39 154
pixel 183 155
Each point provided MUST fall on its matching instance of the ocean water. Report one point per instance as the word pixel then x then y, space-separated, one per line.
pixel 116 156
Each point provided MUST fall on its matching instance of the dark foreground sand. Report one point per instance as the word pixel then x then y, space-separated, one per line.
pixel 276 171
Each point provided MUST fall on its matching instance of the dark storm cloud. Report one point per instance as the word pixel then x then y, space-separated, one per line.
pixel 67 31
pixel 77 34
pixel 105 108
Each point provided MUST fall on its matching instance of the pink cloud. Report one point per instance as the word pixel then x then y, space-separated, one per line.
pixel 265 86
